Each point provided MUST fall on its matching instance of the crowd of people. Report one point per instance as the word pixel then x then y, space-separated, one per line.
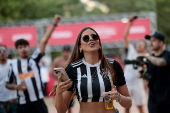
pixel 92 76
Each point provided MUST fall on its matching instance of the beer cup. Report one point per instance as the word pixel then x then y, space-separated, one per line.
pixel 108 102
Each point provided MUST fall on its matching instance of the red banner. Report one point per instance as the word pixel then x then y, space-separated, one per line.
pixel 8 35
pixel 109 31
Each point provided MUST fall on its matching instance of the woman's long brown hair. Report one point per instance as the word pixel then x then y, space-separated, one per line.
pixel 76 55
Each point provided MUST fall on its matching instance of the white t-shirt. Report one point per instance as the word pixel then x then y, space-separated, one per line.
pixel 131 75
pixel 5 94
pixel 45 63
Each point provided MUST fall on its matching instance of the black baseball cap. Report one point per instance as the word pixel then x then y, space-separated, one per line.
pixel 67 48
pixel 157 35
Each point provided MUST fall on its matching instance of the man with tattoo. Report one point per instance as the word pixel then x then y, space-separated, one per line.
pixel 159 70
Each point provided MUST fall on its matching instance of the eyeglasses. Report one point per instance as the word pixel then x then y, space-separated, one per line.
pixel 4 50
pixel 86 38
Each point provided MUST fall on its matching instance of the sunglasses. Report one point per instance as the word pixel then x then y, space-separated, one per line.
pixel 86 38
pixel 4 50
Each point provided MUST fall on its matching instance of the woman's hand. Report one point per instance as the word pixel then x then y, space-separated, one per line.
pixel 63 86
pixel 113 94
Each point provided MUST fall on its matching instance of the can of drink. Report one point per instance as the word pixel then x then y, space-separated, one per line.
pixel 108 102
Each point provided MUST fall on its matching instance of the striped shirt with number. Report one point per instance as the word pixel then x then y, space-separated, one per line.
pixel 34 84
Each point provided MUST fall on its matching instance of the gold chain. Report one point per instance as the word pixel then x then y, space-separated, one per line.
pixel 93 73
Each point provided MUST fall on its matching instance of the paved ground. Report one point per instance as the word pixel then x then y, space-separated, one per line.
pixel 75 109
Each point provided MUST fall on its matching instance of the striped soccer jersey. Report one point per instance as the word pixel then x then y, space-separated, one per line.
pixel 5 94
pixel 33 84
pixel 89 81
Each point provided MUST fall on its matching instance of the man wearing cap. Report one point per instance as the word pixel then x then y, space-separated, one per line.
pixel 61 62
pixel 159 69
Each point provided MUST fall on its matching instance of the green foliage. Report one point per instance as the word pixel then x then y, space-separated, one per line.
pixel 163 17
pixel 119 6
pixel 56 54
pixel 32 9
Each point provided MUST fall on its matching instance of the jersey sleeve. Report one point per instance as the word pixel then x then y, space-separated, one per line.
pixel 166 57
pixel 37 55
pixel 119 74
pixel 69 71
pixel 10 76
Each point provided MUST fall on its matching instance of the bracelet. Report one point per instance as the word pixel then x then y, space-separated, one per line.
pixel 120 99
pixel 130 20
pixel 146 55
pixel 55 25
pixel 13 87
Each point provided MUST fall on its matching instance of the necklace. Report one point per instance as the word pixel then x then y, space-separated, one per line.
pixel 94 74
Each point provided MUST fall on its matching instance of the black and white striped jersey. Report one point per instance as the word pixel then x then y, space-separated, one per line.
pixel 87 88
pixel 33 84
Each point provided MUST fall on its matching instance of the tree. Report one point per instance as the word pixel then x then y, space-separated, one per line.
pixel 32 9
pixel 163 17
pixel 120 6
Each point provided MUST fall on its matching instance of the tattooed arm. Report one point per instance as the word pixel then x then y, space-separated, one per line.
pixel 156 61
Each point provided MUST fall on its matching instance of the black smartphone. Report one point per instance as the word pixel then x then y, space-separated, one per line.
pixel 61 71
pixel 135 17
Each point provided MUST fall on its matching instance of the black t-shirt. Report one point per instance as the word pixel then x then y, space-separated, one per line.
pixel 80 73
pixel 119 74
pixel 159 85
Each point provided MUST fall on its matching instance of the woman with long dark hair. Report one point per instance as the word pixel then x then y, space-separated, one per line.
pixel 92 76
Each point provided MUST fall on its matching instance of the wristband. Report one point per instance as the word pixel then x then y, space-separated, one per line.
pixel 120 99
pixel 55 25
pixel 13 86
pixel 146 55
pixel 131 20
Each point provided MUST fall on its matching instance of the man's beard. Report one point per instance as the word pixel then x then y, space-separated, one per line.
pixel 3 59
pixel 25 56
pixel 156 48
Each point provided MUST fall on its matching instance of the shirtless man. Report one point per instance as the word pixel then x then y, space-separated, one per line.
pixel 61 62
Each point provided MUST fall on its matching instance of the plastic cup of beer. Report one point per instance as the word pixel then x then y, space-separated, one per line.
pixel 108 102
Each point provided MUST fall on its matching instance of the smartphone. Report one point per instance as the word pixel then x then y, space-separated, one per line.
pixel 61 71
pixel 135 17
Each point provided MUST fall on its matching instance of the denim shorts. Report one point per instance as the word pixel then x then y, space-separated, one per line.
pixel 117 111
pixel 3 109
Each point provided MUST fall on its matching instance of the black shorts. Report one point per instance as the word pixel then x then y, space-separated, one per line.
pixel 33 107
pixel 154 107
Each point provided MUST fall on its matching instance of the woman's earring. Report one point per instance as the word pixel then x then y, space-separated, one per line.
pixel 80 50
